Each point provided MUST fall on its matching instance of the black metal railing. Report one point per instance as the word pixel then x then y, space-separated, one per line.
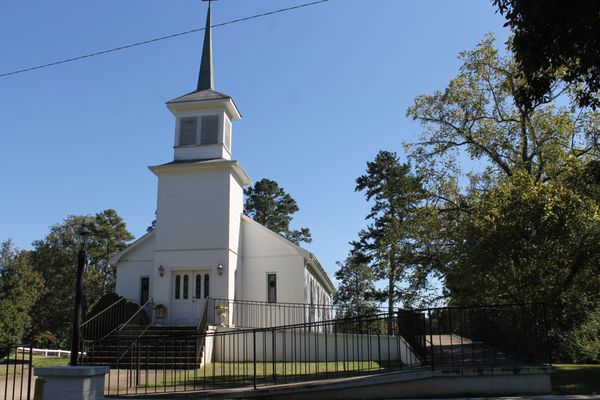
pixel 16 373
pixel 479 335
pixel 120 342
pixel 108 320
pixel 264 356
pixel 261 314
pixel 434 338
pixel 201 334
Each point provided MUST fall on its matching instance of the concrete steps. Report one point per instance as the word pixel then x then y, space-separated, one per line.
pixel 154 347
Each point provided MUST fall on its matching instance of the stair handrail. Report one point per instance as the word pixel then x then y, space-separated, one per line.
pixel 96 324
pixel 142 308
pixel 203 323
pixel 201 329
pixel 102 312
pixel 134 341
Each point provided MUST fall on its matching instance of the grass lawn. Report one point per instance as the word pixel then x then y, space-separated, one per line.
pixel 223 373
pixel 38 361
pixel 576 379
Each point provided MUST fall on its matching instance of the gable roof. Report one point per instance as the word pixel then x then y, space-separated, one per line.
pixel 308 257
pixel 200 95
pixel 117 257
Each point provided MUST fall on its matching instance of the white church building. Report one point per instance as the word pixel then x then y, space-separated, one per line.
pixel 203 246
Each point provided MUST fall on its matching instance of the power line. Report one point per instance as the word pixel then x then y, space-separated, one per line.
pixel 128 46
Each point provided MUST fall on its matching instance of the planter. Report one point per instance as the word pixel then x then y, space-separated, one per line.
pixel 222 311
pixel 160 311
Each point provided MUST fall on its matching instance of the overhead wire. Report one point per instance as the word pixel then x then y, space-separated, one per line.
pixel 174 35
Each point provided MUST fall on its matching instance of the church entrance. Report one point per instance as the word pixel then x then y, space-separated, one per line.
pixel 191 290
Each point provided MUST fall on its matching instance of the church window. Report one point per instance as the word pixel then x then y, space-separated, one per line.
pixel 186 282
pixel 187 131
pixel 209 129
pixel 272 288
pixel 177 286
pixel 198 286
pixel 206 286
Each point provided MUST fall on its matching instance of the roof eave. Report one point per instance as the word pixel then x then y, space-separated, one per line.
pixel 114 260
pixel 233 113
pixel 213 164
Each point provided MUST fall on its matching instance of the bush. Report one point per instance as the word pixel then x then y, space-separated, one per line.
pixel 44 340
pixel 582 344
pixel 102 303
pixel 12 325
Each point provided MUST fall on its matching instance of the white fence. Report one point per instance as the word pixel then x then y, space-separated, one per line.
pixel 46 352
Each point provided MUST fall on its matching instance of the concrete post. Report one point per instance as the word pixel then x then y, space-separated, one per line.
pixel 72 383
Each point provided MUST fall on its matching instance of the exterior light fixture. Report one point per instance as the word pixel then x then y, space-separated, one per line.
pixel 161 271
pixel 220 269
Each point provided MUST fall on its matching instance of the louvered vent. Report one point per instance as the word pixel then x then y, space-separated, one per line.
pixel 187 131
pixel 209 129
pixel 228 134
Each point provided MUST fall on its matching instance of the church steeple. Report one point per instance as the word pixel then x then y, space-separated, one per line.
pixel 204 117
pixel 205 76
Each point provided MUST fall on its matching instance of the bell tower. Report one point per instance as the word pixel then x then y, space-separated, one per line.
pixel 203 118
pixel 200 197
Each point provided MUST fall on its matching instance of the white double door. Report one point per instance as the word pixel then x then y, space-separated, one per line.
pixel 190 292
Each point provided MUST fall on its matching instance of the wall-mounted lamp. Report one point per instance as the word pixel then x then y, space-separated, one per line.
pixel 219 269
pixel 161 271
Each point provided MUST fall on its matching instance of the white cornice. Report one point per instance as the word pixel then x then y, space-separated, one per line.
pixel 233 165
pixel 227 104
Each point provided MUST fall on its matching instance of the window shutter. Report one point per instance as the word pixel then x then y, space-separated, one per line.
pixel 187 131
pixel 209 130
pixel 227 134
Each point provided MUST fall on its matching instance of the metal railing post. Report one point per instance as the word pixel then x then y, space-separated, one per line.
pixel 254 357
pixel 431 340
pixel 30 372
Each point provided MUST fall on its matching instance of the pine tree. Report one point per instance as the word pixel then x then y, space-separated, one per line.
pixel 268 204
pixel 353 297
pixel 390 240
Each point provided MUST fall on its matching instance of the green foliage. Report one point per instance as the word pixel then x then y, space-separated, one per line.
pixel 526 241
pixel 582 344
pixel 12 324
pixel 353 297
pixel 514 192
pixel 477 116
pixel 268 204
pixel 19 287
pixel 54 258
pixel 555 39
pixel 102 304
pixel 390 240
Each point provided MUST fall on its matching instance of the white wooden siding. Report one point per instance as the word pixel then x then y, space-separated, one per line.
pixel 263 253
pixel 193 210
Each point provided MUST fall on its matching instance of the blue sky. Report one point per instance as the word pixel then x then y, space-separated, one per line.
pixel 321 90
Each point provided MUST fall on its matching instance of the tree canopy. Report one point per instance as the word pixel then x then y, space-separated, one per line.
pixel 54 259
pixel 556 40
pixel 19 290
pixel 268 204
pixel 514 191
pixel 354 295
pixel 389 242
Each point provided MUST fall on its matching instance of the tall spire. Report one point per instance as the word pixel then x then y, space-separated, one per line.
pixel 205 77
